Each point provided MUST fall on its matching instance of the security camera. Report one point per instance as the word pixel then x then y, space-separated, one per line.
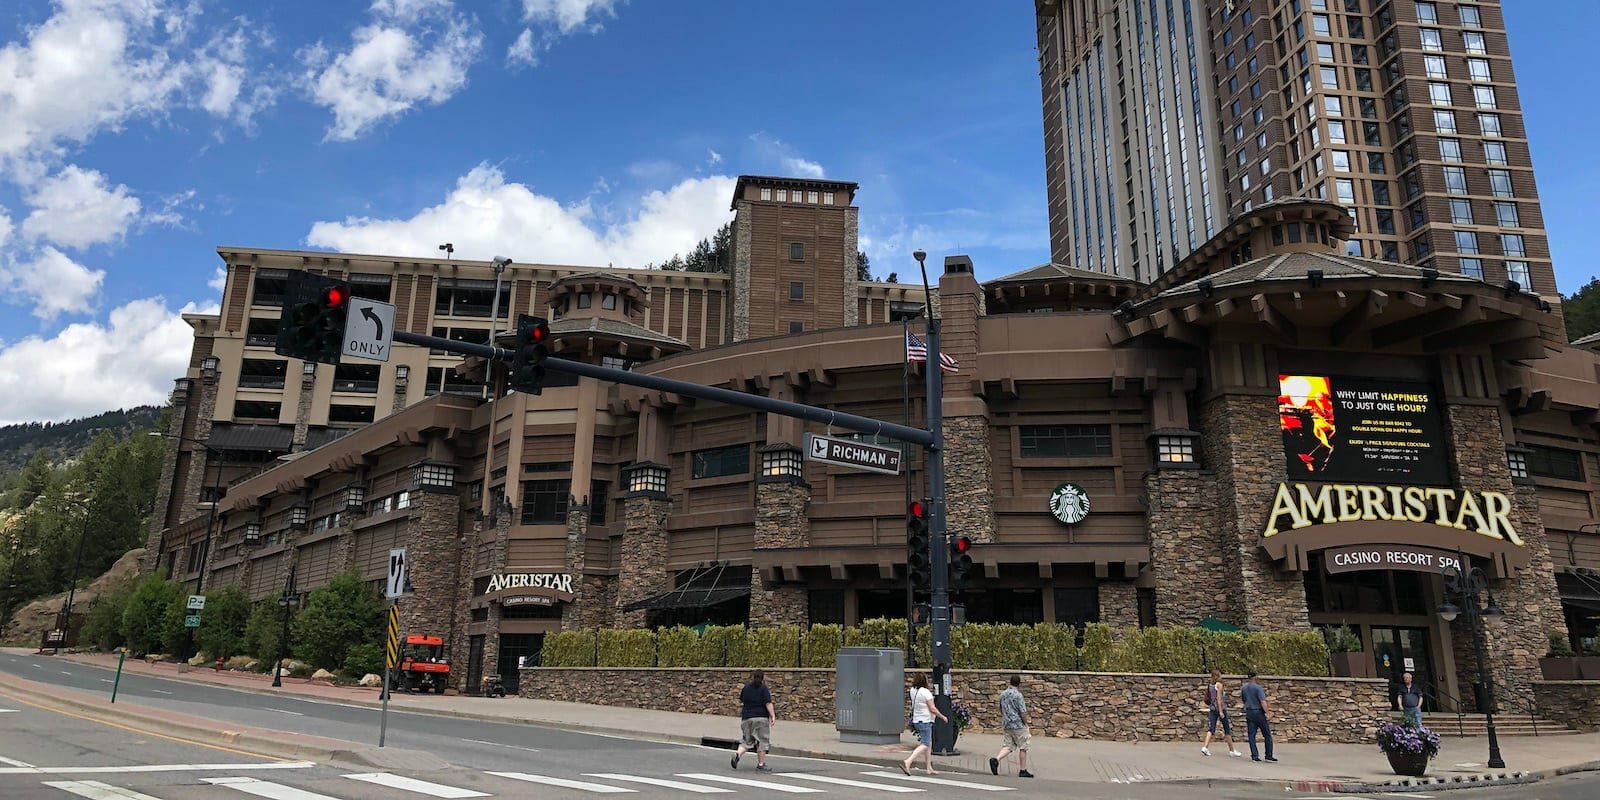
pixel 918 255
pixel 501 262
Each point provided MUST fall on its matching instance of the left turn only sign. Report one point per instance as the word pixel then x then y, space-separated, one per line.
pixel 368 329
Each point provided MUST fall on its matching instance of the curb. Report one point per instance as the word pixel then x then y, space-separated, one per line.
pixel 283 745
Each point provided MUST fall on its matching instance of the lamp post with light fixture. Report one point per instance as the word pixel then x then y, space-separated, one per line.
pixel 1466 584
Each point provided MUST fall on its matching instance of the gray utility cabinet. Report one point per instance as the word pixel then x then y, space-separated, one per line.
pixel 869 694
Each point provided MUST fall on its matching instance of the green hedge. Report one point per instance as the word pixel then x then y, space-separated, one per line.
pixel 1044 646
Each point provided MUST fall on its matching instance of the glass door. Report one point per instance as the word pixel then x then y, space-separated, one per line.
pixel 514 646
pixel 1399 650
pixel 474 665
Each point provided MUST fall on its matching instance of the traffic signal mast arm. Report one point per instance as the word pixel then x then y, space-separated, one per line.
pixel 757 402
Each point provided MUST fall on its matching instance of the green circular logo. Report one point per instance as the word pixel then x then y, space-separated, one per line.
pixel 1069 503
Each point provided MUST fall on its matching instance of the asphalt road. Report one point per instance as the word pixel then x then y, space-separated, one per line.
pixel 45 754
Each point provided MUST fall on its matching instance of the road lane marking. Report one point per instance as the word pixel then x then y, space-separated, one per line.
pixel 106 680
pixel 15 763
pixel 413 785
pixel 64 672
pixel 274 791
pixel 37 666
pixel 154 768
pixel 776 787
pixel 95 790
pixel 597 788
pixel 281 711
pixel 881 787
pixel 161 691
pixel 938 781
pixel 663 782
pixel 8 710
pixel 500 744
pixel 141 732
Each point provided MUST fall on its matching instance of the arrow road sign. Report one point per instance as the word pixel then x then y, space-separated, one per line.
pixel 398 583
pixel 368 329
pixel 851 453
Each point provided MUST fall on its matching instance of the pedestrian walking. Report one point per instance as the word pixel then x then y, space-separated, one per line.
pixel 923 712
pixel 1217 711
pixel 1409 701
pixel 1255 716
pixel 756 719
pixel 1014 734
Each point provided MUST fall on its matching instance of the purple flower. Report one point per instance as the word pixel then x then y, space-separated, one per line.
pixel 1394 738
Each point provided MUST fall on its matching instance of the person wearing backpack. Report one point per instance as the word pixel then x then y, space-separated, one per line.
pixel 1217 711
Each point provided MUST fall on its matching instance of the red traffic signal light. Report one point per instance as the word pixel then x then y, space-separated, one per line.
pixel 917 510
pixel 334 297
pixel 961 544
pixel 539 332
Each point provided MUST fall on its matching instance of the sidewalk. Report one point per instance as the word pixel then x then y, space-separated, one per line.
pixel 1307 767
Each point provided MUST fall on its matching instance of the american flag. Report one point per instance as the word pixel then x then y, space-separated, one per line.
pixel 917 353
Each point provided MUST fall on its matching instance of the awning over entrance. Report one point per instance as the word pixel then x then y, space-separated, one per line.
pixel 262 438
pixel 1590 606
pixel 1293 548
pixel 689 598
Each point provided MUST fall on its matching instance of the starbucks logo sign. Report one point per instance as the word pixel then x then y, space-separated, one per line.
pixel 1069 503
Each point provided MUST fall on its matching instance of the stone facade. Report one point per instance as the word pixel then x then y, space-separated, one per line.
pixel 739 318
pixel 969 472
pixel 199 464
pixel 852 274
pixel 781 521
pixel 1078 705
pixel 1244 448
pixel 169 463
pixel 1575 704
pixel 1119 604
pixel 1185 554
pixel 302 412
pixel 589 607
pixel 644 553
pixel 432 541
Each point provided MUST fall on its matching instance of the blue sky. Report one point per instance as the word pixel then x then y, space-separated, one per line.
pixel 138 135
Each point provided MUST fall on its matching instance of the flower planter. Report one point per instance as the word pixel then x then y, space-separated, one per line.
pixel 1559 668
pixel 1352 665
pixel 1588 668
pixel 1412 764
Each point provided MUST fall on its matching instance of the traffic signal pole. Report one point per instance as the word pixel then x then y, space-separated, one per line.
pixel 943 739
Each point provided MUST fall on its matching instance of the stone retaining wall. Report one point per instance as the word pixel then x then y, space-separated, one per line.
pixel 1575 704
pixel 1081 705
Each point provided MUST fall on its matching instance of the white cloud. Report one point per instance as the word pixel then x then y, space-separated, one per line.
pixel 773 150
pixel 91 367
pixel 96 64
pixel 521 53
pixel 486 215
pixel 417 53
pixel 52 283
pixel 219 280
pixel 568 16
pixel 715 157
pixel 77 208
pixel 803 167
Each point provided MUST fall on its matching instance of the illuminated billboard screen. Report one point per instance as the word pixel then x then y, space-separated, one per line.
pixel 1361 430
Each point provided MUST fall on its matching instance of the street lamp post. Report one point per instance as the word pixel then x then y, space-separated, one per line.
pixel 72 588
pixel 288 600
pixel 1466 584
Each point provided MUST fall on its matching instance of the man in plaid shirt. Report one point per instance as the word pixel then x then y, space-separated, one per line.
pixel 1013 729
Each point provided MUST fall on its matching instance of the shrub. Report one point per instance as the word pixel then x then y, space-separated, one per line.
pixel 363 659
pixel 222 624
pixel 102 627
pixel 1228 652
pixel 633 647
pixel 1096 653
pixel 346 612
pixel 820 646
pixel 569 649
pixel 1054 647
pixel 1341 639
pixel 681 647
pixel 262 630
pixel 991 646
pixel 878 632
pixel 725 645
pixel 143 619
pixel 1289 653
pixel 1151 650
pixel 772 647
pixel 1559 646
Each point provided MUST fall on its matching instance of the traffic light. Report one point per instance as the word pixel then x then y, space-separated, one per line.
pixel 919 547
pixel 960 562
pixel 533 347
pixel 314 312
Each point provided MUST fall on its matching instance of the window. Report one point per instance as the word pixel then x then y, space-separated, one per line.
pixel 1249 40
pixel 1233 84
pixel 1505 215
pixel 1512 244
pixel 1241 157
pixel 1470 18
pixel 466 297
pixel 1319 24
pixel 1265 165
pixel 1435 66
pixel 608 302
pixel 1489 125
pixel 1439 93
pixel 1474 42
pixel 1431 40
pixel 356 378
pixel 382 505
pixel 349 413
pixel 796 326
pixel 1346 189
pixel 797 251
pixel 1450 149
pixel 1478 68
pixel 797 290
pixel 827 198
pixel 811 197
pixel 585 300
pixel 1455 180
pixel 268 287
pixel 1467 242
pixel 1552 462
pixel 1428 13
pixel 1325 52
pixel 255 409
pixel 1064 441
pixel 370 286
pixel 1333 106
pixel 616 362
pixel 599 499
pixel 766 193
pixel 1316 164
pixel 1380 193
pixel 1336 131
pixel 1258 116
pixel 1460 212
pixel 545 502
pixel 1227 37
pixel 402 500
pixel 1253 66
pixel 1472 268
pixel 1375 163
pixel 262 373
pixel 1385 220
pixel 1255 90
pixel 1494 153
pixel 1483 96
pixel 1444 121
pixel 1341 161
pixel 734 460
pixel 1329 77
pixel 1500 183
pixel 1244 182
pixel 1518 271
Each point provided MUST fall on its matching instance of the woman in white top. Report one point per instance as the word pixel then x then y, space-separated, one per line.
pixel 923 712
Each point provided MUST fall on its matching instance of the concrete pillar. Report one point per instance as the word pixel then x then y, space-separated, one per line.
pixel 644 556
pixel 781 522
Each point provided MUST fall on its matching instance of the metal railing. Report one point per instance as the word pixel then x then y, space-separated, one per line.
pixel 1505 693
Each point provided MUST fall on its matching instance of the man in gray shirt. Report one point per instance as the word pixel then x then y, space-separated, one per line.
pixel 1013 729
pixel 1255 716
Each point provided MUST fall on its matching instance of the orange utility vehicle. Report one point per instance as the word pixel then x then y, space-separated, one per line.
pixel 423 665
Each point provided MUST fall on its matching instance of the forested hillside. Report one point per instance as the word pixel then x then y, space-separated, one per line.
pixel 65 439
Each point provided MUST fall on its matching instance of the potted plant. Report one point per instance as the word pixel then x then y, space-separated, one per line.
pixel 960 717
pixel 1409 748
pixel 1345 655
pixel 1589 664
pixel 1559 664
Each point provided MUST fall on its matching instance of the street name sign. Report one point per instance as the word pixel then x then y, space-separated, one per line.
pixel 851 453
pixel 368 329
pixel 197 602
pixel 398 580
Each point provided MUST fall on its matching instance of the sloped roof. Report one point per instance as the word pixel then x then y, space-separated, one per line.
pixel 594 275
pixel 1053 272
pixel 1592 340
pixel 1298 266
pixel 613 327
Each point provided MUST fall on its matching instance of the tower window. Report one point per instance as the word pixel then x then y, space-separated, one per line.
pixel 797 290
pixel 797 326
pixel 797 251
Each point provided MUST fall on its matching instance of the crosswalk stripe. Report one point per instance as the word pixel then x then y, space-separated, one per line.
pixel 882 787
pixel 776 787
pixel 939 781
pixel 273 765
pixel 95 790
pixel 687 787
pixel 267 789
pixel 414 785
pixel 598 788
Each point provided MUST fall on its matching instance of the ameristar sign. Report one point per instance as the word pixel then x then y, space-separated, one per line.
pixel 1299 505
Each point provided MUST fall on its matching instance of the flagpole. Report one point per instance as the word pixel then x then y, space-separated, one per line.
pixel 905 396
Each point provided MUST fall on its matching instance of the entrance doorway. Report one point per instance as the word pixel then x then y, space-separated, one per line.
pixel 1398 650
pixel 512 647
pixel 474 665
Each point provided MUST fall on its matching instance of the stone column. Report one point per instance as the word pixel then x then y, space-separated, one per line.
pixel 588 608
pixel 852 273
pixel 969 478
pixel 740 318
pixel 154 538
pixel 781 521
pixel 1186 553
pixel 432 541
pixel 302 411
pixel 1119 604
pixel 644 556
pixel 1530 600
pixel 1244 448
pixel 200 466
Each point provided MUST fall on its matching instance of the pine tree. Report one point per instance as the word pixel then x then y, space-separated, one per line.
pixel 1582 310
pixel 863 266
